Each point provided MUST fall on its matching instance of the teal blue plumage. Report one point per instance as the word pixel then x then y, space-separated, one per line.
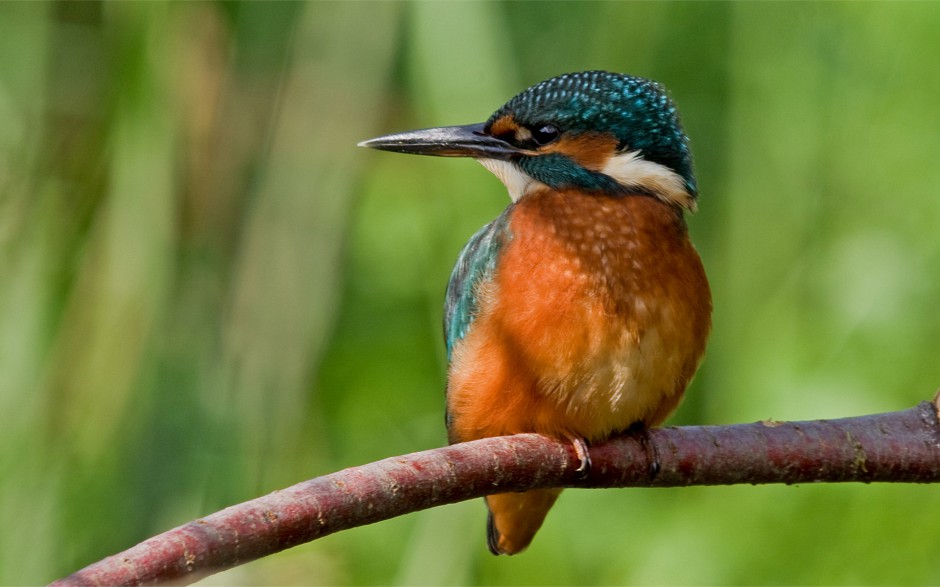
pixel 476 264
pixel 558 171
pixel 637 111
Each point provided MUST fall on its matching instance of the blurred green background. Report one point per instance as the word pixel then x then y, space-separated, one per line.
pixel 208 292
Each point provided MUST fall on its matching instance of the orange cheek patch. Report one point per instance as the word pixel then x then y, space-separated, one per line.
pixel 589 150
pixel 504 125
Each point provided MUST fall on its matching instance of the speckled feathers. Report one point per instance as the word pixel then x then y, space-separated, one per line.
pixel 583 308
pixel 595 318
pixel 637 111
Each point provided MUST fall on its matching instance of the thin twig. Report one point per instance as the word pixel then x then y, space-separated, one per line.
pixel 893 447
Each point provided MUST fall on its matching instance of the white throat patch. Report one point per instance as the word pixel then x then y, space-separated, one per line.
pixel 628 169
pixel 516 181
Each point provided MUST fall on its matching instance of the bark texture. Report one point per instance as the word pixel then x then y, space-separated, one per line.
pixel 901 447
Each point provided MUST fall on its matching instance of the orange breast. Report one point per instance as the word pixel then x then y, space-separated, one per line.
pixel 596 319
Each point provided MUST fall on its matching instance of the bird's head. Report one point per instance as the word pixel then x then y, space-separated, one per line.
pixel 595 131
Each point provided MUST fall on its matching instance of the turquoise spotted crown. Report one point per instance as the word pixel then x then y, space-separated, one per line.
pixel 637 111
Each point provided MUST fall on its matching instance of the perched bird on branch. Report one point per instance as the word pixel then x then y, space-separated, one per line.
pixel 583 309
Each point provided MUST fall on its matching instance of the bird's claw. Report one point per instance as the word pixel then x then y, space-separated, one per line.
pixel 652 453
pixel 581 449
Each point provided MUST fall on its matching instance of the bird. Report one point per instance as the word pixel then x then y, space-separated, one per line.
pixel 583 310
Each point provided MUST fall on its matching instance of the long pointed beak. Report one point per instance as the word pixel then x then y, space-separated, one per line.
pixel 447 141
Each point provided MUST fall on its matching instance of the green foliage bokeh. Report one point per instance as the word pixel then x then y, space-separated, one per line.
pixel 207 292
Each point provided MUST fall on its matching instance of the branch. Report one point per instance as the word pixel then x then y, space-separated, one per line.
pixel 893 447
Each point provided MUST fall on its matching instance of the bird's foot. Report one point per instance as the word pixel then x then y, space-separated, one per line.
pixel 645 439
pixel 581 449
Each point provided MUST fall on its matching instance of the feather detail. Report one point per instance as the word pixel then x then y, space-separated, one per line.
pixel 594 319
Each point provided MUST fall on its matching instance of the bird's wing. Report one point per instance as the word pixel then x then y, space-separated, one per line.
pixel 475 265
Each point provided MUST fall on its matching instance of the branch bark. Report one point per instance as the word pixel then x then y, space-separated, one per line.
pixel 899 447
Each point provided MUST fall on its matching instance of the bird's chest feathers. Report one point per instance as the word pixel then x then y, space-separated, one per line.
pixel 590 294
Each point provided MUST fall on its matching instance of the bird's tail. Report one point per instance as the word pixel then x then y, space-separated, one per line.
pixel 514 518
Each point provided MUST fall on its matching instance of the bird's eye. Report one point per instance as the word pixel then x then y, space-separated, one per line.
pixel 544 134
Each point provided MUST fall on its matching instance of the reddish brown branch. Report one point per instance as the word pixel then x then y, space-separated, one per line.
pixel 894 447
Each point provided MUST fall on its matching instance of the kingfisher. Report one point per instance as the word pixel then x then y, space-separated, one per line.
pixel 583 309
